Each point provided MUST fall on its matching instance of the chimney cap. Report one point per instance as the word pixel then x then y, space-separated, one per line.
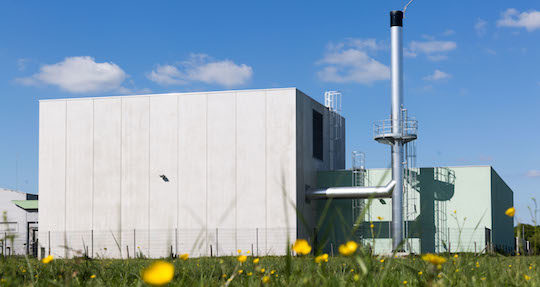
pixel 396 18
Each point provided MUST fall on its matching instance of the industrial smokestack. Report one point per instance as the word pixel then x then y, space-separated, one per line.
pixel 396 27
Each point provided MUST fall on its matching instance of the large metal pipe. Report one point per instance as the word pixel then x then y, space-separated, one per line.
pixel 353 192
pixel 396 27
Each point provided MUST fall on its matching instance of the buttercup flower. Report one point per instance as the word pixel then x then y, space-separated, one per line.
pixel 510 211
pixel 380 218
pixel 242 258
pixel 321 258
pixel 256 260
pixel 93 276
pixel 159 273
pixel 348 248
pixel 301 246
pixel 527 277
pixel 47 259
pixel 265 279
pixel 434 259
pixel 184 256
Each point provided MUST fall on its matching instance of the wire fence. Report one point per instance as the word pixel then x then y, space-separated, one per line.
pixel 158 243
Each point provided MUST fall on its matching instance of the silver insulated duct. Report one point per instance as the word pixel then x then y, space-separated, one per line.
pixel 396 132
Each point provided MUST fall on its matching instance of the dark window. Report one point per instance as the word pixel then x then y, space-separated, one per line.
pixel 317 135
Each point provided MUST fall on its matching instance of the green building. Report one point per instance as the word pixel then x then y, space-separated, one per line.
pixel 446 209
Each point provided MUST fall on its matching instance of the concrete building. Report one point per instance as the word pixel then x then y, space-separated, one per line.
pixel 18 224
pixel 199 173
pixel 449 209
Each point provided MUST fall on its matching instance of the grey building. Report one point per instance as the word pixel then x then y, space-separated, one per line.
pixel 18 222
pixel 200 173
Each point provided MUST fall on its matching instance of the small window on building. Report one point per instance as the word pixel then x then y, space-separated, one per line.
pixel 317 135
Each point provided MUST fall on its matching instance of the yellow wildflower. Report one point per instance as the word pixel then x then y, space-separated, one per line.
pixel 477 264
pixel 420 272
pixel 247 252
pixel 456 256
pixel 530 267
pixel 242 258
pixel 457 270
pixel 224 275
pixel 240 271
pixel 184 256
pixel 239 251
pixel 272 272
pixel 249 273
pixel 483 278
pixel 382 260
pixel 47 259
pixel 405 282
pixel 527 277
pixel 159 273
pixel 510 266
pixel 93 276
pixel 256 260
pixel 301 246
pixel 455 211
pixel 352 270
pixel 262 270
pixel 356 277
pixel 371 225
pixel 321 258
pixel 433 259
pixel 348 248
pixel 265 279
pixel 510 211
pixel 380 218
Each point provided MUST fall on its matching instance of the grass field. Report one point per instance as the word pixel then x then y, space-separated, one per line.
pixel 462 270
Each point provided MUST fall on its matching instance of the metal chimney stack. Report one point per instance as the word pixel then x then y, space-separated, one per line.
pixel 396 132
pixel 396 29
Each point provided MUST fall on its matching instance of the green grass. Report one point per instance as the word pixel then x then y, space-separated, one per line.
pixel 339 271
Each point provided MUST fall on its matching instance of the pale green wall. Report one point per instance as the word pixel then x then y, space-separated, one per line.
pixel 476 196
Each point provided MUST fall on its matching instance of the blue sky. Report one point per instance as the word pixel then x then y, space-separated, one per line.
pixel 471 69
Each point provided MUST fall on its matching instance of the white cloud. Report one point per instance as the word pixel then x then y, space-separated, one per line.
pixel 481 27
pixel 201 68
pixel 533 173
pixel 437 76
pixel 349 62
pixel 512 18
pixel 166 75
pixel 79 75
pixel 491 51
pixel 434 50
pixel 449 32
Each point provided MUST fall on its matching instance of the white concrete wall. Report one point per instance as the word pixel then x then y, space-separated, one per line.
pixel 230 158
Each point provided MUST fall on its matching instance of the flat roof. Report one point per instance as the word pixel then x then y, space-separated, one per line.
pixel 164 94
pixel 26 204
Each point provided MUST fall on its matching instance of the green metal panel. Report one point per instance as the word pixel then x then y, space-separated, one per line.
pixel 502 198
pixel 334 216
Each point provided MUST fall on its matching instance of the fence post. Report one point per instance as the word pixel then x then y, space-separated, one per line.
pixel 49 242
pixel 211 255
pixel 217 243
pixel 257 240
pixel 252 254
pixel 475 247
pixel 176 239
pixel 134 240
pixel 92 240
